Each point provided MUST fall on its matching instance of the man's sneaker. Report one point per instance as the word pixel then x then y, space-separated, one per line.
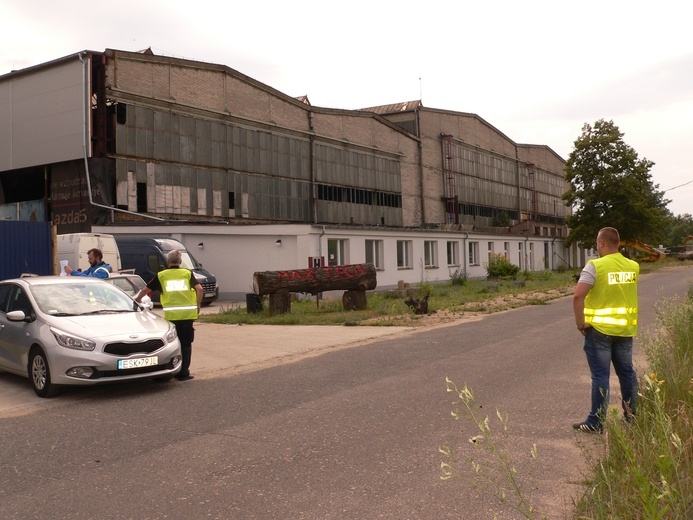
pixel 186 377
pixel 588 428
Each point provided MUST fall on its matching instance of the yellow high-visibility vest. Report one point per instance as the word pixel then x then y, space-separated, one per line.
pixel 178 297
pixel 611 306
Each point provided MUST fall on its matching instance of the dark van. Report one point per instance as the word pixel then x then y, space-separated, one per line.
pixel 147 256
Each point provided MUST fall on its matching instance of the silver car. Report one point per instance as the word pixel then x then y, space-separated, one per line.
pixel 63 330
pixel 130 283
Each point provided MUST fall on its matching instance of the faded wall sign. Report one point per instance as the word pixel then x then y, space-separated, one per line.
pixel 70 207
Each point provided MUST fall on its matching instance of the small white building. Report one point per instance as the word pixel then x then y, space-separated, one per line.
pixel 234 253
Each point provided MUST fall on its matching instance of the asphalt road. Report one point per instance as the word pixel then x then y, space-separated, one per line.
pixel 349 434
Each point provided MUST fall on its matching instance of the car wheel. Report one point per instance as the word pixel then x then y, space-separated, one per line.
pixel 40 374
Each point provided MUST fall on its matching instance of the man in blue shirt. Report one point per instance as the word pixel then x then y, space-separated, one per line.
pixel 98 269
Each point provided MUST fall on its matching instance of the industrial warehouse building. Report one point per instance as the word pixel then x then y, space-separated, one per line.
pixel 251 179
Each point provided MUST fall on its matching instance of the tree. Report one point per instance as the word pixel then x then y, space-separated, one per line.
pixel 611 186
pixel 502 219
pixel 680 227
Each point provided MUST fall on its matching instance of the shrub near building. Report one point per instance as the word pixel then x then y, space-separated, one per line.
pixel 500 267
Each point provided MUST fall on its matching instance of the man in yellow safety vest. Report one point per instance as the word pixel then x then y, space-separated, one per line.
pixel 605 304
pixel 181 296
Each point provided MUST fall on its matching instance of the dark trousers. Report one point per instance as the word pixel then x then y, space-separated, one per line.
pixel 186 335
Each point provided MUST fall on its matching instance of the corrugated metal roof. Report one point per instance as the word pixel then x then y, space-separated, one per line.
pixel 396 107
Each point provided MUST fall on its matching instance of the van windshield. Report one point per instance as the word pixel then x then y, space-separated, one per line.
pixel 188 261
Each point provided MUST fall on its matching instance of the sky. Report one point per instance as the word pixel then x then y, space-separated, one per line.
pixel 537 70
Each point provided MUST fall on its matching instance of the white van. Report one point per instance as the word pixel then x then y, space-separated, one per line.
pixel 73 247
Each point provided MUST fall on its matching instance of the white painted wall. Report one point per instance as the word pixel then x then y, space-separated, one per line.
pixel 234 253
pixel 44 115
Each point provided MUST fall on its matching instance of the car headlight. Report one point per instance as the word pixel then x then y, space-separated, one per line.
pixel 68 340
pixel 172 333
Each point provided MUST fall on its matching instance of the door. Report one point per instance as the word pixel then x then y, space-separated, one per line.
pixel 14 341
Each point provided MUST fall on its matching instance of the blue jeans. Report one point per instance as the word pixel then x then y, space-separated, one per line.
pixel 601 351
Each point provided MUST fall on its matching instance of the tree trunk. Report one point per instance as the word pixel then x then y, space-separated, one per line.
pixel 354 300
pixel 280 302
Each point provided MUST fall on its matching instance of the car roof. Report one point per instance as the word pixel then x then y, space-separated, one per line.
pixel 54 280
pixel 123 275
pixel 166 243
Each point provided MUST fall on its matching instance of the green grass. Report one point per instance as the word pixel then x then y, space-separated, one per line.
pixel 386 309
pixel 454 299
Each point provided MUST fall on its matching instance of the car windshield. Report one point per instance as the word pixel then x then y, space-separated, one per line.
pixel 81 298
pixel 188 261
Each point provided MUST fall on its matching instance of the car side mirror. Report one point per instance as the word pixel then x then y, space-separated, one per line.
pixel 18 316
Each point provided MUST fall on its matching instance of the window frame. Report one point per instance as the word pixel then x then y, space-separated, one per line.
pixel 341 250
pixel 404 254
pixel 453 253
pixel 430 254
pixel 377 253
pixel 473 252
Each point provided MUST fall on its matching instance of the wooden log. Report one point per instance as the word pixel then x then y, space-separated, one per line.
pixel 354 277
pixel 280 302
pixel 354 300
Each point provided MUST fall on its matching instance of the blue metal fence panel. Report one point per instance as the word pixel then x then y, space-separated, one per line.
pixel 25 247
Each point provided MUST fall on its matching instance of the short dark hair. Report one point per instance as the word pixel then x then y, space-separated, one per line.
pixel 610 236
pixel 96 252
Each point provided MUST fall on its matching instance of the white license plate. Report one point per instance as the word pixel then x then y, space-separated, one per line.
pixel 209 295
pixel 124 364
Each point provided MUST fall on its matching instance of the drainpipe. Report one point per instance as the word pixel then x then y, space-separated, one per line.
pixel 85 138
pixel 464 253
pixel 322 234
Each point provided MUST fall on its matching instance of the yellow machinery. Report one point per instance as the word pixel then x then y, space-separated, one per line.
pixel 640 252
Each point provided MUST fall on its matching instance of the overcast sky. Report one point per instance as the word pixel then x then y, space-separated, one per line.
pixel 536 70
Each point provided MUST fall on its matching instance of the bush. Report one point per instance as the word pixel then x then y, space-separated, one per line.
pixel 499 266
pixel 458 277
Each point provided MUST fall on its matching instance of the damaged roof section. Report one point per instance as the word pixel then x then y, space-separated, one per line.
pixel 395 107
